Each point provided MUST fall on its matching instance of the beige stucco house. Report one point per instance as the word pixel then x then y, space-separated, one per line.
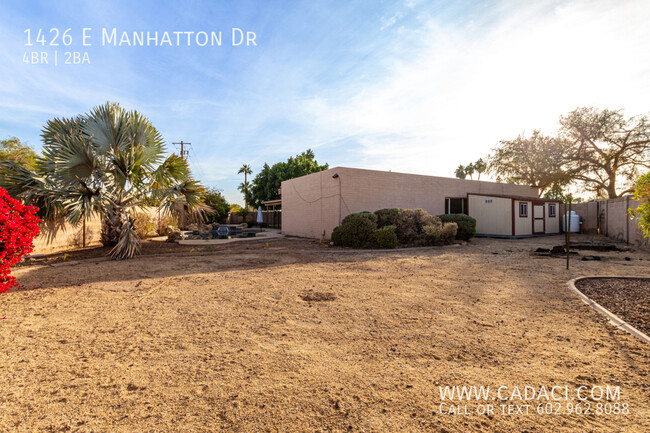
pixel 313 205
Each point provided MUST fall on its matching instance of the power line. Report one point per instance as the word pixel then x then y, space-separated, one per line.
pixel 196 164
pixel 184 153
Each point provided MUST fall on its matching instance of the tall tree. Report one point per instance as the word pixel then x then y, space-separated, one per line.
pixel 537 160
pixel 267 182
pixel 642 212
pixel 606 151
pixel 469 170
pixel 460 172
pixel 13 150
pixel 218 204
pixel 480 166
pixel 104 163
pixel 246 170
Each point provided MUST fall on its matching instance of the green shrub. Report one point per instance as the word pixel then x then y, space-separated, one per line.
pixel 440 234
pixel 219 206
pixel 385 237
pixel 387 217
pixel 448 233
pixel 388 228
pixel 410 225
pixel 355 231
pixel 369 215
pixel 466 225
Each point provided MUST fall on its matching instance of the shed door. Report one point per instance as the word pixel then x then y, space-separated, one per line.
pixel 538 219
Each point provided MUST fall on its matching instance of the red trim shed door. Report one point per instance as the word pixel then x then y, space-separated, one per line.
pixel 539 225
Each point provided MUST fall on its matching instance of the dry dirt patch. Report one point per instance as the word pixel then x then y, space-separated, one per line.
pixel 223 342
pixel 318 296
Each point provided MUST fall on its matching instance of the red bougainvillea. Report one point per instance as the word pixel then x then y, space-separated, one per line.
pixel 18 227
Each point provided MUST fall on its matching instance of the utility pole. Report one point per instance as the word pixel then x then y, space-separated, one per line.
pixel 183 151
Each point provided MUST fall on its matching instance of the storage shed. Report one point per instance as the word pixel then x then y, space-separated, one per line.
pixel 513 216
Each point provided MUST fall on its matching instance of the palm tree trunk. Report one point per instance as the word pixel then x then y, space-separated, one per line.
pixel 118 231
pixel 111 227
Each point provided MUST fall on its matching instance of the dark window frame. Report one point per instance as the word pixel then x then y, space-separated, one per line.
pixel 521 213
pixel 463 205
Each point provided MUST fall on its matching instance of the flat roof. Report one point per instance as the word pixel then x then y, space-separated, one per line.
pixel 516 197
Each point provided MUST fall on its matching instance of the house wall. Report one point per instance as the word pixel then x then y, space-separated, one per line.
pixel 493 214
pixel 523 225
pixel 313 205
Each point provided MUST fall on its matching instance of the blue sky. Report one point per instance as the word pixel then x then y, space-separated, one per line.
pixel 411 86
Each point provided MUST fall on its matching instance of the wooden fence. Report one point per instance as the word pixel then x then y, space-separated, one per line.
pixel 272 219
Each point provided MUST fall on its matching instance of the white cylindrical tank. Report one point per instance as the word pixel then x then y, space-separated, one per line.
pixel 575 221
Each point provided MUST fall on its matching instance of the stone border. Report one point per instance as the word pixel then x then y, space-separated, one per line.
pixel 613 318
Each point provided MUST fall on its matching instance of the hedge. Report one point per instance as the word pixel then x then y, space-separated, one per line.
pixel 388 228
pixel 466 225
pixel 385 237
pixel 355 231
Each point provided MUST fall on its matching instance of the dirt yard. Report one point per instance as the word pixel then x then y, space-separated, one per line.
pixel 296 337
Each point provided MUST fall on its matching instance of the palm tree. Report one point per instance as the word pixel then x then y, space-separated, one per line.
pixel 246 169
pixel 480 166
pixel 469 169
pixel 106 163
pixel 460 172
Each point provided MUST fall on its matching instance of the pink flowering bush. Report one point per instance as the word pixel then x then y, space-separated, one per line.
pixel 18 228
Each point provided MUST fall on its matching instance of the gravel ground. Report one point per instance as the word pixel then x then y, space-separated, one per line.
pixel 294 337
pixel 628 298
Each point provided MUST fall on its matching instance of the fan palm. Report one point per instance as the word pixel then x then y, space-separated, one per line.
pixel 104 163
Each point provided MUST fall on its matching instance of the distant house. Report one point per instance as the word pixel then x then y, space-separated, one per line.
pixel 313 205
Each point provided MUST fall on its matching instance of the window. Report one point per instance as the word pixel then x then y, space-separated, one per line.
pixel 551 210
pixel 456 205
pixel 523 210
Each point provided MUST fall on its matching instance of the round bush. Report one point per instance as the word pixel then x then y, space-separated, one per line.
pixel 466 225
pixel 440 234
pixel 385 237
pixel 355 232
pixel 410 226
pixel 387 217
pixel 369 215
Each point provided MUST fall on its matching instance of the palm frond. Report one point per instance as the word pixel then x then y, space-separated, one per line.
pixel 173 169
pixel 190 194
pixel 105 126
pixel 31 189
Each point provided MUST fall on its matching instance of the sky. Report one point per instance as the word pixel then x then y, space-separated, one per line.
pixel 410 86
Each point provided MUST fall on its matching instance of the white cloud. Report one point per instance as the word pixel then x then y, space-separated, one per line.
pixel 520 67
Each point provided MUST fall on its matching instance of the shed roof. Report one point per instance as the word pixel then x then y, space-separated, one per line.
pixel 517 197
